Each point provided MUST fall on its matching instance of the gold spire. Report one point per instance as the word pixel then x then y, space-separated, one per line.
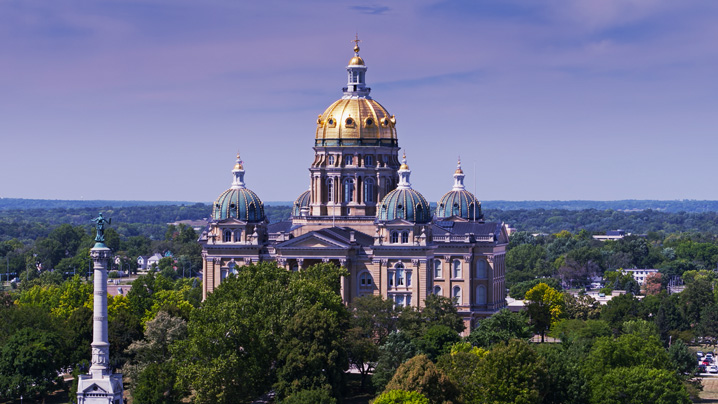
pixel 403 166
pixel 458 167
pixel 356 41
pixel 356 60
pixel 238 165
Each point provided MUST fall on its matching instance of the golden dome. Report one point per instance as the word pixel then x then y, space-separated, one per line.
pixel 356 61
pixel 356 122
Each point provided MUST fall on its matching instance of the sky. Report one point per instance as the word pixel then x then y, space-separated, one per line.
pixel 543 100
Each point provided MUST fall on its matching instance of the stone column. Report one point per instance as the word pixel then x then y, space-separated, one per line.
pixel 100 340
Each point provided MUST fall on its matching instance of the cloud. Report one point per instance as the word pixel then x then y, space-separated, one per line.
pixel 373 9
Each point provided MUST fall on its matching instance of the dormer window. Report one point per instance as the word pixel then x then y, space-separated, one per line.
pixel 227 237
pixel 405 237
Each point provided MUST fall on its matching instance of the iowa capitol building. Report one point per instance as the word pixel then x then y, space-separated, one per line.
pixel 361 212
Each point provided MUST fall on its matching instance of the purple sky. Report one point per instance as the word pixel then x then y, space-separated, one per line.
pixel 553 99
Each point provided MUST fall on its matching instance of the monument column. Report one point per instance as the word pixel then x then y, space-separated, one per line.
pixel 101 385
pixel 100 341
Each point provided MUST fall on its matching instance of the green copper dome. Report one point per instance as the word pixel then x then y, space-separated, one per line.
pixel 240 203
pixel 301 202
pixel 406 204
pixel 461 203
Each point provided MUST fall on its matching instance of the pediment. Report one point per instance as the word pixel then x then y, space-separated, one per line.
pixel 312 241
pixel 231 221
pixel 94 388
pixel 399 222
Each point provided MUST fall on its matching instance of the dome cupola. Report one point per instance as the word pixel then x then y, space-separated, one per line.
pixel 238 201
pixel 356 119
pixel 459 202
pixel 404 202
pixel 301 205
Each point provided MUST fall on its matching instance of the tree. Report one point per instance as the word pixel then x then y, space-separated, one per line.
pixel 311 352
pixel 397 349
pixel 638 384
pixel 545 305
pixel 513 373
pixel 315 396
pixel 583 307
pixel 151 358
pixel 401 397
pixel 437 340
pixel 421 375
pixel 464 366
pixel 683 359
pixel 238 344
pixel 502 326
pixel 694 297
pixel 29 362
pixel 653 283
pixel 373 318
pixel 619 309
pixel 567 383
pixel 580 331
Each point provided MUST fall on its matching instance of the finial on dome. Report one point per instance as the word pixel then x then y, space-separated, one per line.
pixel 238 165
pixel 356 41
pixel 458 177
pixel 238 173
pixel 404 174
pixel 403 166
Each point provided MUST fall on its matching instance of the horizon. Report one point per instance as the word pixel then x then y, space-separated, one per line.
pixel 598 100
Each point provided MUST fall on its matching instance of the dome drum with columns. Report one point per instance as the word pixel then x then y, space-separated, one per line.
pixel 361 212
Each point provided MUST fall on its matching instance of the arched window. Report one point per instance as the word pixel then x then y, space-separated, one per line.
pixel 437 290
pixel 348 190
pixel 330 189
pixel 365 281
pixel 481 294
pixel 348 159
pixel 456 294
pixel 437 269
pixel 394 237
pixel 405 237
pixel 330 160
pixel 232 268
pixel 251 212
pixel 227 236
pixel 368 190
pixel 456 267
pixel 369 160
pixel 481 271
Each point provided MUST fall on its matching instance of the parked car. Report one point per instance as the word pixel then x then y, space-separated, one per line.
pixel 706 362
pixel 700 354
pixel 712 369
pixel 701 368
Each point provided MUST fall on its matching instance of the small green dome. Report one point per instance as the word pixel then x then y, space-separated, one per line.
pixel 461 203
pixel 405 203
pixel 301 202
pixel 240 203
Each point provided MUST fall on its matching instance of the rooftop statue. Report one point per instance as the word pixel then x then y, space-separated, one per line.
pixel 100 225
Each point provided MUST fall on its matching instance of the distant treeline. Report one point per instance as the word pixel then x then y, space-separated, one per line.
pixel 600 221
pixel 151 221
pixel 685 205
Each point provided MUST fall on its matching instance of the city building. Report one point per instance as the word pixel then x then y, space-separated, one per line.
pixel 361 212
pixel 640 275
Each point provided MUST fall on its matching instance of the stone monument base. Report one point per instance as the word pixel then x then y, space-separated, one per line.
pixel 107 389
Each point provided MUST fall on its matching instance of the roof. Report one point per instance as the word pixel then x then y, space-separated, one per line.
pixel 284 226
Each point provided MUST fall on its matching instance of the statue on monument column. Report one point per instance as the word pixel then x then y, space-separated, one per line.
pixel 100 225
